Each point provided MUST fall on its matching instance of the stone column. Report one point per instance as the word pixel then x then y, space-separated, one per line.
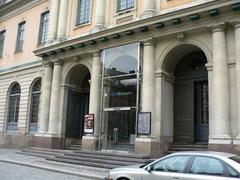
pixel 149 8
pixel 62 23
pixel 220 132
pixel 53 20
pixel 54 121
pixel 237 58
pixel 94 102
pixel 148 84
pixel 144 145
pixel 45 98
pixel 88 142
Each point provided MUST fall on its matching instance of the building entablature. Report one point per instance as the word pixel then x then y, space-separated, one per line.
pixel 198 18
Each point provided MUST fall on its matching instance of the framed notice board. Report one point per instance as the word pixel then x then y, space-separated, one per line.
pixel 144 123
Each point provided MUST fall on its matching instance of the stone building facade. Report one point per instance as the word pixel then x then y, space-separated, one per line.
pixel 148 73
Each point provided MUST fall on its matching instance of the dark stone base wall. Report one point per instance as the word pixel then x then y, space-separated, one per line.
pixel 20 141
pixel 230 148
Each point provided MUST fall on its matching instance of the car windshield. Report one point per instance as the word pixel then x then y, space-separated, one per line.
pixel 236 159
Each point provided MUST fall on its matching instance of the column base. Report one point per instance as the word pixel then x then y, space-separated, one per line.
pixel 149 146
pixel 236 140
pixel 148 13
pixel 97 28
pixel 89 143
pixel 220 139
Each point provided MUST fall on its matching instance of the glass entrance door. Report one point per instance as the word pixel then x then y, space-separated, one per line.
pixel 120 87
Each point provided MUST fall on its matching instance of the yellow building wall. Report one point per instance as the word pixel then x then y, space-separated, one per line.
pixel 32 19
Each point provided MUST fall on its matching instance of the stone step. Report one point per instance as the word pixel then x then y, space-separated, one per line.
pixel 83 163
pixel 115 153
pixel 112 161
pixel 109 157
pixel 187 147
pixel 102 159
pixel 42 152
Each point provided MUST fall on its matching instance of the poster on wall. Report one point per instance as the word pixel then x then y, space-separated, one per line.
pixel 144 123
pixel 89 123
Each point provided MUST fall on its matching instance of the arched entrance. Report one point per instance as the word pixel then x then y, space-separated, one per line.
pixel 191 99
pixel 77 102
pixel 188 123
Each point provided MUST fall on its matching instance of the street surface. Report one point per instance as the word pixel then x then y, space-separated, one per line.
pixel 17 172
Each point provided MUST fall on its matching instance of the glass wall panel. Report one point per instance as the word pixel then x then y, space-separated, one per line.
pixel 120 90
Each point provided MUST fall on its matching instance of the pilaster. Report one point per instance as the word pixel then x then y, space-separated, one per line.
pixel 62 23
pixel 53 20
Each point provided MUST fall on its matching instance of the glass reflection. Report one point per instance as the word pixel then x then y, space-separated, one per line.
pixel 121 60
pixel 120 91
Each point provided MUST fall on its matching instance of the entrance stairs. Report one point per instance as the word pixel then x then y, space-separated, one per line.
pixel 101 159
pixel 187 147
pixel 43 152
pixel 76 144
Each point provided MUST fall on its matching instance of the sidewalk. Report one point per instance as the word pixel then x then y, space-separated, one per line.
pixel 10 156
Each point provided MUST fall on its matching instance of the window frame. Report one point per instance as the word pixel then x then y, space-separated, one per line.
pixel 2 40
pixel 225 171
pixel 43 32
pixel 20 36
pixel 78 23
pixel 12 125
pixel 119 10
pixel 185 170
pixel 32 126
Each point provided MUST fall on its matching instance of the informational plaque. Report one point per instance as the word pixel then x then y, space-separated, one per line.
pixel 89 123
pixel 144 123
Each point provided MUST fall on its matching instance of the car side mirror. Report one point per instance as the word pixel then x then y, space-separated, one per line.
pixel 149 168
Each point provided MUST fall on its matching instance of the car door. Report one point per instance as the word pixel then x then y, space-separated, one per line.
pixel 167 169
pixel 206 168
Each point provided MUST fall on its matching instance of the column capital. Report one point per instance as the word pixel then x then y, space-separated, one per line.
pixel 57 63
pixel 218 28
pixel 47 64
pixel 148 42
pixel 236 24
pixel 96 53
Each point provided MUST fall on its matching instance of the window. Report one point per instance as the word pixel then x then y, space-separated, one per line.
pixel 83 14
pixel 13 109
pixel 207 165
pixel 35 98
pixel 2 38
pixel 125 4
pixel 20 36
pixel 172 164
pixel 43 29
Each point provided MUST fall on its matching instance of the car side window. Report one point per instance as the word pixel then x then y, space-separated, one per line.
pixel 207 165
pixel 172 164
pixel 232 172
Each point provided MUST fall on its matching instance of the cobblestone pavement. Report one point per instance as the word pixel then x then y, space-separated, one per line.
pixel 18 172
pixel 10 156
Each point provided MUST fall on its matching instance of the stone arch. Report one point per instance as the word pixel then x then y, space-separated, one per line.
pixel 181 45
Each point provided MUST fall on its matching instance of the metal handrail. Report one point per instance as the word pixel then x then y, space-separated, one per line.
pixel 98 139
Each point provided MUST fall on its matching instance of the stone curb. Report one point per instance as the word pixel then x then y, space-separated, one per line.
pixel 48 168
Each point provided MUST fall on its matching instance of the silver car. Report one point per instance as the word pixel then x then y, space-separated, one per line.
pixel 183 166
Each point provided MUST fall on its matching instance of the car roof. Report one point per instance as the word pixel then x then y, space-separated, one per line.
pixel 205 153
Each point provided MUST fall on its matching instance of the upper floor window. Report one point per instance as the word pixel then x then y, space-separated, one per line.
pixel 2 38
pixel 43 29
pixel 13 107
pixel 34 107
pixel 83 13
pixel 20 36
pixel 125 4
